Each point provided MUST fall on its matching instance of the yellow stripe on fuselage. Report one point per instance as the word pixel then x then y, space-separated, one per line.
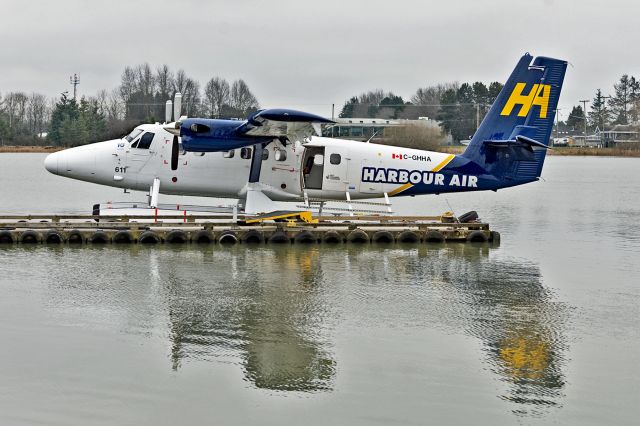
pixel 400 189
pixel 437 168
pixel 443 163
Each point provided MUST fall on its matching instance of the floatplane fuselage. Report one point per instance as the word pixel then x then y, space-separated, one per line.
pixel 276 155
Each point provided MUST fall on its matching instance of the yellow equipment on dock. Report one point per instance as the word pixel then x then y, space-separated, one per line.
pixel 284 215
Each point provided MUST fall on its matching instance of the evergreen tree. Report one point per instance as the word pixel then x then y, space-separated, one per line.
pixel 634 99
pixel 65 110
pixel 599 115
pixel 621 100
pixel 348 108
pixel 394 103
pixel 4 130
pixel 494 90
pixel 448 114
pixel 576 118
pixel 466 112
pixel 73 124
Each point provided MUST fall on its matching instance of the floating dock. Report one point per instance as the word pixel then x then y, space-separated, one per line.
pixel 277 228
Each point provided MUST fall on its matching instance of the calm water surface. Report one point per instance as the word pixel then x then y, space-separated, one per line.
pixel 543 329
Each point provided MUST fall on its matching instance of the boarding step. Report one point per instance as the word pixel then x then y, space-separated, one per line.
pixel 321 206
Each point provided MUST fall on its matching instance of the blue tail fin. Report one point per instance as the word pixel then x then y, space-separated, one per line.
pixel 512 139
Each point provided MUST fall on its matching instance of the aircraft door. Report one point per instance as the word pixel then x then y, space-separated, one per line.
pixel 336 169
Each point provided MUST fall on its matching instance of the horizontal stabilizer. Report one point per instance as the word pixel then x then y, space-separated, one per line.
pixel 518 141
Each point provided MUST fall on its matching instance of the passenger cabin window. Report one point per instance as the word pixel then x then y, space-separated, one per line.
pixel 335 159
pixel 245 153
pixel 228 154
pixel 265 155
pixel 145 141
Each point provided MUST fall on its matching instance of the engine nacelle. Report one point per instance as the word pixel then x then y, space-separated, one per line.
pixel 211 135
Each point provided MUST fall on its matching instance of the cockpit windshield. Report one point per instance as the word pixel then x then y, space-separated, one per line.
pixel 134 134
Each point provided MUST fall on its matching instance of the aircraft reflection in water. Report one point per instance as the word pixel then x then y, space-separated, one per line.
pixel 277 311
pixel 277 325
pixel 272 326
pixel 516 317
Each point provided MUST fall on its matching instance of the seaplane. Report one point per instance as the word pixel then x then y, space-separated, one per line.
pixel 279 155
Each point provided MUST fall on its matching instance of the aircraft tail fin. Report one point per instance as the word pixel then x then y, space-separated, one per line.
pixel 512 139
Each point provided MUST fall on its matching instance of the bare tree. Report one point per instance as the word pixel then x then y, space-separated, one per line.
pixel 427 99
pixel 146 88
pixel 127 84
pixel 190 90
pixel 164 81
pixel 242 100
pixel 37 113
pixel 102 101
pixel 115 107
pixel 145 79
pixel 372 97
pixel 217 94
pixel 16 108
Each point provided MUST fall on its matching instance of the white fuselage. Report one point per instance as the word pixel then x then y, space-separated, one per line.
pixel 324 168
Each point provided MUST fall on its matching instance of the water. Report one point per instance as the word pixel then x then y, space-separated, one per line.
pixel 541 330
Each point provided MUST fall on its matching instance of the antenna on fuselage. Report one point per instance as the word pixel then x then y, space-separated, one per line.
pixel 168 110
pixel 373 135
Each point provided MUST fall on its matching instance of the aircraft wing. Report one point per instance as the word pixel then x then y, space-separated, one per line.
pixel 211 135
pixel 295 125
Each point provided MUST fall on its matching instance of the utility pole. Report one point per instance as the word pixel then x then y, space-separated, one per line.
pixel 477 116
pixel 74 80
pixel 557 121
pixel 604 118
pixel 584 111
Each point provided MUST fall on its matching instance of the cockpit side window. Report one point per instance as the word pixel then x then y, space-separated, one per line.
pixel 134 134
pixel 145 140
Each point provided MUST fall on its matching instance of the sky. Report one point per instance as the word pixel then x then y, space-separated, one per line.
pixel 310 55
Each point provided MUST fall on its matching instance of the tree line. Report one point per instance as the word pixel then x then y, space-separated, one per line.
pixel 622 107
pixel 141 97
pixel 458 107
pixel 143 91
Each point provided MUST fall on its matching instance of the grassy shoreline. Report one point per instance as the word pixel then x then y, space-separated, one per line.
pixel 570 151
pixel 563 151
pixel 9 148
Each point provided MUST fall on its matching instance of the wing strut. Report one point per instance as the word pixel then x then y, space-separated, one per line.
pixel 256 163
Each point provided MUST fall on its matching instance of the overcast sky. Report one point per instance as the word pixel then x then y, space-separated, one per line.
pixel 308 55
